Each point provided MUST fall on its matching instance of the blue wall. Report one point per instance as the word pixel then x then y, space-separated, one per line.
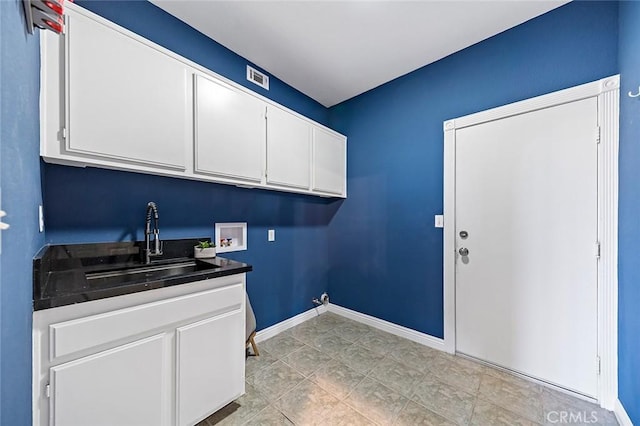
pixel 629 225
pixel 92 205
pixel 388 262
pixel 20 177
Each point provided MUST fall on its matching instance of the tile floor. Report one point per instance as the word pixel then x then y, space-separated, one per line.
pixel 334 371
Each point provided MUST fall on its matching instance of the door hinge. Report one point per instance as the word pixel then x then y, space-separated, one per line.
pixel 47 391
pixel 598 134
pixel 598 249
pixel 598 365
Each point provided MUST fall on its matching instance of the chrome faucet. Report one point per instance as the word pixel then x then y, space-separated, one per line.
pixel 152 213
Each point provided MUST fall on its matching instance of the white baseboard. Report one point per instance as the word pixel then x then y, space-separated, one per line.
pixel 621 414
pixel 278 328
pixel 389 327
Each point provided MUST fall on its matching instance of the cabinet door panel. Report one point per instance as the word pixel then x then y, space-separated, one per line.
pixel 126 101
pixel 329 162
pixel 288 149
pixel 230 131
pixel 123 386
pixel 210 365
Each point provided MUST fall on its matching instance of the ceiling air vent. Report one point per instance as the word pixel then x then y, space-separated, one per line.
pixel 255 76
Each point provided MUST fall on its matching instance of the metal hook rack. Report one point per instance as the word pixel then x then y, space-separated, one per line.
pixel 635 95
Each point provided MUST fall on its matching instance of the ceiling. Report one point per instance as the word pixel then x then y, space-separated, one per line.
pixel 335 50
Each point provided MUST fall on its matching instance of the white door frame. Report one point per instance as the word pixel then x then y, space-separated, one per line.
pixel 607 91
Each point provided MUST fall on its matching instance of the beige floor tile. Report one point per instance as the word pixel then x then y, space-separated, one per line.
pixel 330 344
pixel 379 341
pixel 307 332
pixel 359 358
pixel 486 413
pixel 445 400
pixel 254 364
pixel 306 360
pixel 376 401
pixel 241 410
pixel 352 331
pixel 396 376
pixel 343 415
pixel 281 345
pixel 275 380
pixel 512 378
pixel 330 320
pixel 416 415
pixel 414 355
pixel 270 416
pixel 443 388
pixel 307 404
pixel 558 406
pixel 455 372
pixel 520 400
pixel 337 379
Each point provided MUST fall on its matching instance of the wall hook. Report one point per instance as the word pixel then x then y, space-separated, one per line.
pixel 637 95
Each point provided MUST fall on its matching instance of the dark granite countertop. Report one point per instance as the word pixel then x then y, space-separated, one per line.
pixel 76 273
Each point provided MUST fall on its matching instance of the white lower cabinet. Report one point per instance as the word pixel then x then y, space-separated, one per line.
pixel 164 357
pixel 206 372
pixel 103 390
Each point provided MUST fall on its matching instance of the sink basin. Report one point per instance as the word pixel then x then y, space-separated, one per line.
pixel 144 273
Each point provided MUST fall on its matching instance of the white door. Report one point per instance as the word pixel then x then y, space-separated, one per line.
pixel 288 149
pixel 123 386
pixel 230 131
pixel 526 197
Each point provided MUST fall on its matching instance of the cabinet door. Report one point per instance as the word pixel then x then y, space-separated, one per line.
pixel 230 131
pixel 210 365
pixel 123 386
pixel 288 149
pixel 126 101
pixel 329 162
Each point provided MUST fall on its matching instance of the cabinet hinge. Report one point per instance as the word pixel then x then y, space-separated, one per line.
pixel 266 111
pixel 63 132
pixel 598 365
pixel 598 249
pixel 598 134
pixel 47 391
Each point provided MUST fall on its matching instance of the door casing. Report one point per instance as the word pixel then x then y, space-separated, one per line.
pixel 607 92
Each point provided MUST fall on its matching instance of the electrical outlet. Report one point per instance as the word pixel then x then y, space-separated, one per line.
pixel 271 235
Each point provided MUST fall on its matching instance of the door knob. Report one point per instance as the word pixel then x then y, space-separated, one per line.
pixel 464 251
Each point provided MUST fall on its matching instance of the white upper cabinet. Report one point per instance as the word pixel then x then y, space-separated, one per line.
pixel 329 161
pixel 230 131
pixel 288 149
pixel 125 100
pixel 112 99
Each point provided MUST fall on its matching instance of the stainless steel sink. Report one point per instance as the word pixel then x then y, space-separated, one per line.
pixel 144 273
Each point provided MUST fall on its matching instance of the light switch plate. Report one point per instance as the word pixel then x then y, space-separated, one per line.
pixel 439 221
pixel 41 218
pixel 271 235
